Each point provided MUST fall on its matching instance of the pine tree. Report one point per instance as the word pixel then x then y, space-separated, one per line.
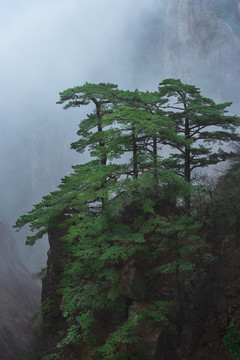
pixel 202 122
pixel 121 205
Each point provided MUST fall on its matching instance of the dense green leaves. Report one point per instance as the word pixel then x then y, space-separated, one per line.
pixel 202 122
pixel 231 342
pixel 127 204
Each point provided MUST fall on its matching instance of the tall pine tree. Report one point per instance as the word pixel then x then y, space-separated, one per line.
pixel 115 205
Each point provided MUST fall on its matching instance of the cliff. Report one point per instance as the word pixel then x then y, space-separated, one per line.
pixel 200 44
pixel 19 298
pixel 197 320
pixel 196 41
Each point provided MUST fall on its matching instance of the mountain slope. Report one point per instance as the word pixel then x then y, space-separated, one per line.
pixel 19 298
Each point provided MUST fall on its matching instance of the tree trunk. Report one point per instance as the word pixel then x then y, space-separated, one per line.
pixel 155 172
pixel 103 159
pixel 135 162
pixel 187 164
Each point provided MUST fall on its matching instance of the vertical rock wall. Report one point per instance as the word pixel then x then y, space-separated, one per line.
pixel 196 41
pixel 202 44
pixel 199 43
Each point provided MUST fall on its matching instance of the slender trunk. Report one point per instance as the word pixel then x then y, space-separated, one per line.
pixel 135 162
pixel 155 172
pixel 103 159
pixel 187 163
pixel 187 176
pixel 177 283
pixel 187 153
pixel 177 252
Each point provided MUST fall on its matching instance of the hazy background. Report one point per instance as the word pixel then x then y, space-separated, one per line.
pixel 46 47
pixel 49 46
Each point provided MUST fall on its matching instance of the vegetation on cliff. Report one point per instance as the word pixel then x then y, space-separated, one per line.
pixel 131 209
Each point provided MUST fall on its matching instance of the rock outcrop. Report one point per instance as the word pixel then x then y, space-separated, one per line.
pixel 201 45
pixel 19 298
pixel 198 317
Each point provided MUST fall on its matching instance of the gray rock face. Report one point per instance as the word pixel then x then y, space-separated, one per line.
pixel 197 41
pixel 131 283
pixel 202 43
pixel 19 298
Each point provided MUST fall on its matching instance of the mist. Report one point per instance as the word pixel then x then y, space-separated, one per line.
pixel 47 47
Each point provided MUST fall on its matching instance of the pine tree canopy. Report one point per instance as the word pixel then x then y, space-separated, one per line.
pixel 131 201
pixel 202 122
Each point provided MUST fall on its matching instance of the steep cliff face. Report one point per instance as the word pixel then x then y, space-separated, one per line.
pixel 202 43
pixel 197 320
pixel 19 298
pixel 208 306
pixel 196 41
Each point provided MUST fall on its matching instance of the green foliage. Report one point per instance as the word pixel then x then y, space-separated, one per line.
pixel 224 207
pixel 201 122
pixel 125 341
pixel 231 342
pixel 47 311
pixel 72 337
pixel 208 258
pixel 123 335
pixel 156 313
pixel 51 357
pixel 178 237
pixel 127 203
